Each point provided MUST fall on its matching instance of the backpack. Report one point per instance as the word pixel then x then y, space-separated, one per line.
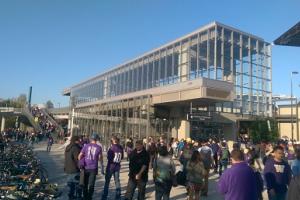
pixel 161 175
pixel 206 157
pixel 225 154
pixel 181 178
pixel 152 149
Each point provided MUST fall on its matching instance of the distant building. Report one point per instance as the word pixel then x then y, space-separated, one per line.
pixel 284 120
pixel 199 85
pixel 288 114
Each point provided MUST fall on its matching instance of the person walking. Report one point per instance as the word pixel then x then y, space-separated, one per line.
pixel 71 166
pixel 296 164
pixel 277 175
pixel 114 156
pixel 195 173
pixel 224 156
pixel 49 143
pixel 239 181
pixel 152 150
pixel 163 173
pixel 138 171
pixel 129 148
pixel 207 157
pixel 290 154
pixel 89 157
pixel 215 149
pixel 294 187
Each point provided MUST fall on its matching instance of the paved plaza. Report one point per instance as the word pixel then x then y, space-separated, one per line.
pixel 54 163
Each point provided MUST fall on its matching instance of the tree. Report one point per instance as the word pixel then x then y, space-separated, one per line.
pixel 49 104
pixel 264 130
pixel 18 102
pixel 21 100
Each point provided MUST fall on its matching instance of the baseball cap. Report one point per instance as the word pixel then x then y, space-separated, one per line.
pixel 95 136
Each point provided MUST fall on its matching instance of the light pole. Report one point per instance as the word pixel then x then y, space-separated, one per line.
pixel 292 127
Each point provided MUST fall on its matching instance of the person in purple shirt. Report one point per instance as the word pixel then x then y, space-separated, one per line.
pixel 277 174
pixel 88 158
pixel 114 156
pixel 238 182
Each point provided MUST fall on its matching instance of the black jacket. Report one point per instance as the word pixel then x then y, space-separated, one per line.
pixel 71 158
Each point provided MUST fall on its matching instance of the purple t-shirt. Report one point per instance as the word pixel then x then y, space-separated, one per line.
pixel 238 183
pixel 91 154
pixel 114 156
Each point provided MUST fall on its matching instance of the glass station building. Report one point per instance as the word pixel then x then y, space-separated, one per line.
pixel 196 86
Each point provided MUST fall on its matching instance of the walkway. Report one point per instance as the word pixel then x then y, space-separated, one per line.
pixel 54 162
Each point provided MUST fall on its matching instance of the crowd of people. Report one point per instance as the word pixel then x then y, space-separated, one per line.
pixel 42 119
pixel 253 168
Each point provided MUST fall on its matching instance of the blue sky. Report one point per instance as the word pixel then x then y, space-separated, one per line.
pixel 53 44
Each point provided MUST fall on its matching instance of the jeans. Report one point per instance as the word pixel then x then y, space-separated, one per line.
pixel 205 187
pixel 89 183
pixel 73 185
pixel 132 184
pixel 215 162
pixel 280 196
pixel 162 190
pixel 49 147
pixel 108 176
pixel 222 163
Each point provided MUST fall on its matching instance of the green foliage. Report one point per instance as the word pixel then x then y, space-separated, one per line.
pixel 49 104
pixel 18 102
pixel 259 130
pixel 10 122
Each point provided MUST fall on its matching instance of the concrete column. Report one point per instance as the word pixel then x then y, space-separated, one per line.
pixel 148 118
pixel 174 129
pixel 183 62
pixel 184 130
pixel 2 124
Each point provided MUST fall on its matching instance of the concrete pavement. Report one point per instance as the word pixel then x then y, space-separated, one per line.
pixel 54 163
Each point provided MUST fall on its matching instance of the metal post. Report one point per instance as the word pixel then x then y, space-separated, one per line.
pixel 297 120
pixel 292 123
pixel 29 97
pixel 72 123
pixel 2 124
pixel 148 118
pixel 292 120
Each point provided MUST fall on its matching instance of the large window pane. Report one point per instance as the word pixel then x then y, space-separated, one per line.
pixel 203 55
pixel 193 61
pixel 145 72
pixel 162 70
pixel 211 64
pixel 169 68
pixel 176 66
pixel 156 72
pixel 150 75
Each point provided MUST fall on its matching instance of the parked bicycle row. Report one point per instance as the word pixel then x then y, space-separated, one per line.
pixel 22 176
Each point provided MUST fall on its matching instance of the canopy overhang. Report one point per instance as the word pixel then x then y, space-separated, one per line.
pixel 290 37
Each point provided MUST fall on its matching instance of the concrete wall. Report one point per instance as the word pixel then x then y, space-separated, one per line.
pixel 284 122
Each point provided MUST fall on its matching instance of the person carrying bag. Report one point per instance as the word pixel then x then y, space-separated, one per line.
pixel 163 174
pixel 195 175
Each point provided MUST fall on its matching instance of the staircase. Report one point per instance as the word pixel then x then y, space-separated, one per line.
pixel 26 112
pixel 50 118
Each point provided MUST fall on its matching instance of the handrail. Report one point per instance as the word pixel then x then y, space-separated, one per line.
pixel 45 112
pixel 30 117
pixel 24 111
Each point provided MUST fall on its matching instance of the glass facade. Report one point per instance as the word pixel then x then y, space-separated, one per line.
pixel 215 52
